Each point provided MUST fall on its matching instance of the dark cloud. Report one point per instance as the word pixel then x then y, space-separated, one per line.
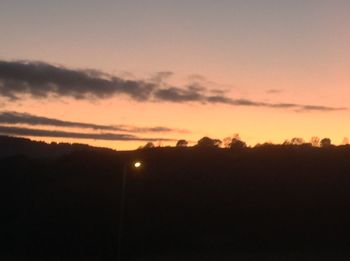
pixel 320 108
pixel 174 94
pixel 244 102
pixel 41 79
pixel 29 119
pixel 218 91
pixel 9 130
pixel 153 129
pixel 25 118
pixel 219 99
pixel 273 91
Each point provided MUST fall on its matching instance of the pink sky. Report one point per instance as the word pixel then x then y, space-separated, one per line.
pixel 299 49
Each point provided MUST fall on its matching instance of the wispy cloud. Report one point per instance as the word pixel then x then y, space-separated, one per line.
pixel 41 80
pixel 9 117
pixel 161 77
pixel 274 91
pixel 10 130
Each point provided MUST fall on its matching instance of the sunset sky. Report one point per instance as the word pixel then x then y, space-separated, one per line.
pixel 119 73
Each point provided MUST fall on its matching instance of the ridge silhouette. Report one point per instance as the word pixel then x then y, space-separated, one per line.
pixel 270 198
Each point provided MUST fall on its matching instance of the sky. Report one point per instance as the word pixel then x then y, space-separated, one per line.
pixel 122 73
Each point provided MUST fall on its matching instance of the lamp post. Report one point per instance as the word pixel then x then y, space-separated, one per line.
pixel 136 165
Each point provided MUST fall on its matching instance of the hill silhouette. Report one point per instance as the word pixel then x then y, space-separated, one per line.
pixel 272 198
pixel 11 146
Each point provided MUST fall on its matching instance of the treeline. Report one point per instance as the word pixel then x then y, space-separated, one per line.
pixel 10 146
pixel 235 142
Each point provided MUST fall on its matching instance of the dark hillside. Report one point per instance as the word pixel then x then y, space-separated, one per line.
pixel 11 146
pixel 183 200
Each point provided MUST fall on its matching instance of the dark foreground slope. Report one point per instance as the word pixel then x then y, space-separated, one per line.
pixel 273 199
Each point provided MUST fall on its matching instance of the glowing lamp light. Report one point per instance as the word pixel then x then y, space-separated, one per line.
pixel 137 164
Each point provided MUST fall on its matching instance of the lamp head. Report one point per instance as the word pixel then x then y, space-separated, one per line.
pixel 137 164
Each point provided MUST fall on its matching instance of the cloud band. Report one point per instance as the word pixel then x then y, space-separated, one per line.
pixel 40 80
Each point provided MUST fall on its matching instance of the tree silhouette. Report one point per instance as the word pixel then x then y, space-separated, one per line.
pixel 234 143
pixel 237 144
pixel 149 145
pixel 326 142
pixel 297 141
pixel 207 142
pixel 182 143
pixel 227 142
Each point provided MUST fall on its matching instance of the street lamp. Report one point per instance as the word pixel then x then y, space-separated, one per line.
pixel 135 165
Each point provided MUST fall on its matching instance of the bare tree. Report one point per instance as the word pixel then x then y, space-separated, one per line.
pixel 286 142
pixel 315 141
